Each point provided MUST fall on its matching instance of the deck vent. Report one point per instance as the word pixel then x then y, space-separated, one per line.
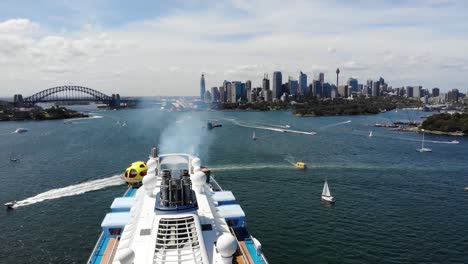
pixel 177 241
pixel 145 232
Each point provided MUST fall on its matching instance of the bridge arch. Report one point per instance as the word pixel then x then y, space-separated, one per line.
pixel 68 93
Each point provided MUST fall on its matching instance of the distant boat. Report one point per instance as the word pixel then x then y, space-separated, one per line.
pixel 124 124
pixel 423 149
pixel 10 205
pixel 466 189
pixel 370 134
pixel 326 195
pixel 21 130
pixel 455 142
pixel 253 136
pixel 301 165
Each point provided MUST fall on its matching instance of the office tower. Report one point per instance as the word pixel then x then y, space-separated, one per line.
pixel 293 86
pixel 207 96
pixel 302 83
pixel 375 89
pixel 318 88
pixel 222 94
pixel 236 91
pixel 229 92
pixel 409 91
pixel 266 83
pixel 417 91
pixel 322 78
pixel 353 85
pixel 452 96
pixel 277 82
pixel 202 87
pixel 435 92
pixel 215 94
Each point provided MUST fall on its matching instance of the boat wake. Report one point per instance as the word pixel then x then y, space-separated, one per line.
pixel 249 167
pixel 337 124
pixel 72 190
pixel 275 129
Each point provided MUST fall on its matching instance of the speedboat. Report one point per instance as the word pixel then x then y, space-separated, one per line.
pixel 10 205
pixel 301 165
pixel 21 130
pixel 455 142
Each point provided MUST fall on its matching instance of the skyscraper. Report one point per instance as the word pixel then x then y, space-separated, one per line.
pixel 375 89
pixel 302 82
pixel 236 91
pixel 202 87
pixel 318 89
pixel 293 86
pixel 409 91
pixel 322 78
pixel 266 83
pixel 435 92
pixel 277 81
pixel 353 85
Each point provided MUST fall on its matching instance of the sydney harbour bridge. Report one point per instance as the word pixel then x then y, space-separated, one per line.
pixel 69 93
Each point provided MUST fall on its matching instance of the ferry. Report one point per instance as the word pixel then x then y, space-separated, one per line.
pixel 179 214
pixel 301 165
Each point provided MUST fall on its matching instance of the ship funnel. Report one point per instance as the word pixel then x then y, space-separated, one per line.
pixel 176 192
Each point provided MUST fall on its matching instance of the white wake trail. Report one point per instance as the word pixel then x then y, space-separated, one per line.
pixel 270 128
pixel 337 124
pixel 72 190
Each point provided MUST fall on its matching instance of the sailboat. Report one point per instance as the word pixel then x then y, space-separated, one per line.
pixel 326 195
pixel 423 149
pixel 253 136
pixel 370 134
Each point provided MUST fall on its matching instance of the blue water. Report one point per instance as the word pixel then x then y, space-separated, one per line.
pixel 394 205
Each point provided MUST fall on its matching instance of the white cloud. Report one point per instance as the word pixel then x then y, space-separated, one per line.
pixel 415 43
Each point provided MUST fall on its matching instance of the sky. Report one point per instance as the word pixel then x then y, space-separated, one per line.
pixel 162 47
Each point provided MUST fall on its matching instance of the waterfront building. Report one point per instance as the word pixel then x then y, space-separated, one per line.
pixel 229 92
pixel 207 96
pixel 236 91
pixel 435 92
pixel 222 94
pixel 353 85
pixel 215 96
pixel 202 87
pixel 302 83
pixel 277 83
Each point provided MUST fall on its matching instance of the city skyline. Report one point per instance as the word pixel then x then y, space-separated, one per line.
pixel 146 48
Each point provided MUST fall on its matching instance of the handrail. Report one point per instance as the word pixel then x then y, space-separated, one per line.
pixel 116 244
pixel 94 249
pixel 238 245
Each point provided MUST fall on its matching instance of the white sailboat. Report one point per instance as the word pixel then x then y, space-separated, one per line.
pixel 326 195
pixel 423 149
pixel 370 134
pixel 253 136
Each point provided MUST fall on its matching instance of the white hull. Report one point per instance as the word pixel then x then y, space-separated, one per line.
pixel 329 199
pixel 424 150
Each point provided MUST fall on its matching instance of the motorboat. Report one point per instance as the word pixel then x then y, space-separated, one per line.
pixel 301 165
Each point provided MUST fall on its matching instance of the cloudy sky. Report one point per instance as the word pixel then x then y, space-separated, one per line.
pixel 162 47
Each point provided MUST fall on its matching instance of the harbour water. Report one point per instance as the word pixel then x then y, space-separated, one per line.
pixel 393 204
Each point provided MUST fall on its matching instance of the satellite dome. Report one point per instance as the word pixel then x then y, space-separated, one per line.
pixel 227 245
pixel 196 162
pixel 199 178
